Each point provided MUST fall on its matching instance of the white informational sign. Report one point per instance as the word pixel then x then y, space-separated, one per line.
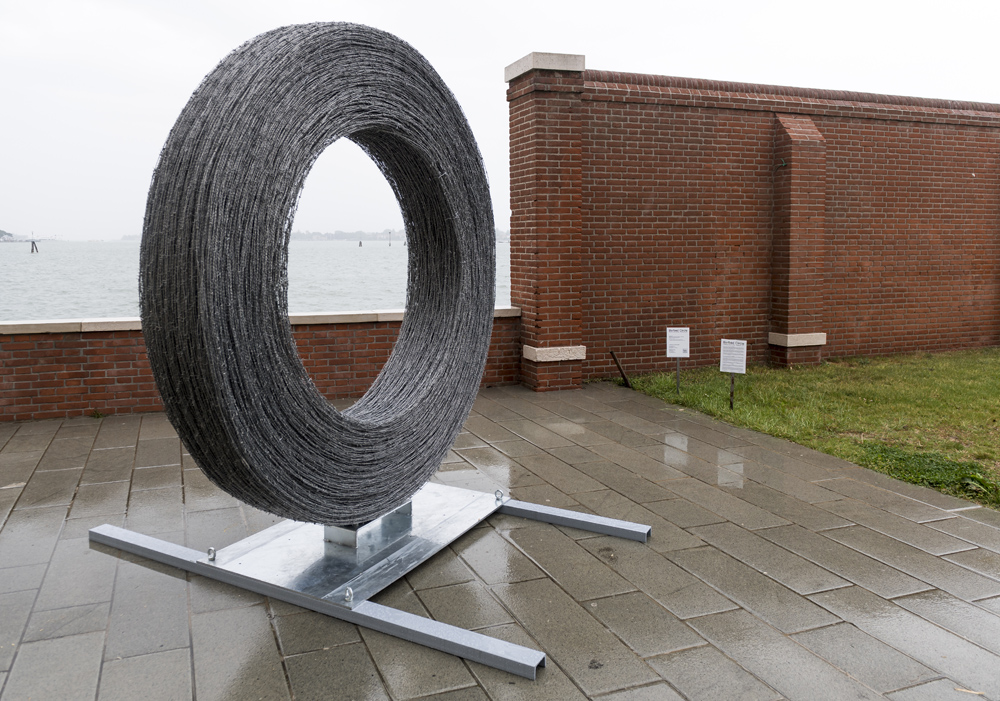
pixel 734 356
pixel 678 342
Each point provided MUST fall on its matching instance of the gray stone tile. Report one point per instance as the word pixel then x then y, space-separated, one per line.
pixel 35 676
pixel 77 575
pixel 212 529
pixel 578 434
pixel 968 620
pixel 781 607
pixel 940 690
pixel 499 407
pixel 940 573
pixel 617 434
pixel 709 434
pixel 634 461
pixel 735 510
pixel 74 620
pixel 201 495
pixel 575 455
pixel 863 657
pixel 149 612
pixel 680 593
pixel 469 693
pixel 469 606
pixel 983 561
pixel 164 676
pixel 887 501
pixel 638 424
pixel 575 569
pixel 970 530
pixel 27 443
pixel 536 434
pixel 156 477
pixel 83 427
pixel 518 449
pixel 467 440
pixel 21 578
pixel 915 637
pixel 984 515
pixel 66 453
pixel 156 511
pixel 158 451
pixel 493 559
pixel 990 604
pixel 118 432
pixel 442 570
pixel 913 491
pixel 905 530
pixel 347 668
pixel 8 497
pixel 223 670
pixel 683 513
pixel 49 488
pixel 550 683
pixel 80 527
pixel 30 535
pixel 705 674
pixel 690 465
pixel 623 481
pixel 795 510
pixel 785 483
pixel 15 607
pixel 581 414
pixel 489 431
pixel 589 654
pixel 796 573
pixel 544 494
pixel 310 631
pixel 665 535
pixel 108 465
pixel 644 625
pixel 845 562
pixel 210 595
pixel 17 467
pixel 561 475
pixel 155 426
pixel 712 454
pixel 504 470
pixel 106 498
pixel 786 463
pixel 774 658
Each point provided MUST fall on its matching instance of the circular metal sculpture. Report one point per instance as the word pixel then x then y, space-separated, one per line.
pixel 213 280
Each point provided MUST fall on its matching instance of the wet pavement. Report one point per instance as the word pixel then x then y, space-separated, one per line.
pixel 773 572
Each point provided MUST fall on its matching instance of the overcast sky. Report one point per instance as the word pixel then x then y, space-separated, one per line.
pixel 89 89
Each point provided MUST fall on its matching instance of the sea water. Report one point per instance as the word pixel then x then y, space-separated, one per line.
pixel 99 279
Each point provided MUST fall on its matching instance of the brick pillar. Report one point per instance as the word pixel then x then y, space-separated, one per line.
pixel 798 248
pixel 544 94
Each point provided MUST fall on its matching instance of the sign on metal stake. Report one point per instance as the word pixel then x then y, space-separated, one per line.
pixel 733 359
pixel 678 346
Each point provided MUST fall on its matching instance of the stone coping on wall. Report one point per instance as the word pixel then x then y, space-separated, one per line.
pixel 10 328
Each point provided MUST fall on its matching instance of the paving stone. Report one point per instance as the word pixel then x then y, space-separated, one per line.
pixel 785 483
pixel 681 593
pixel 968 620
pixel 795 510
pixel 796 573
pixel 158 451
pixel 49 488
pixel 35 676
pixel 781 607
pixel 785 462
pixel 504 470
pixel 498 407
pixel 201 495
pixel 155 426
pixel 29 536
pixel 18 467
pixel 8 497
pixel 66 453
pixel 73 620
pixel 217 529
pixel 82 427
pixel 644 625
pixel 27 443
pixel 156 477
pixel 712 454
pixel 149 612
pixel 347 668
pixel 164 676
pixel 863 657
pixel 15 607
pixel 913 491
pixel 536 434
pixel 887 501
pixel 774 658
pixel 576 433
pixel 118 432
pixel 224 670
pixel 470 606
pixel 735 510
pixel 518 449
pixel 561 475
pixel 637 462
pixel 578 413
pixel 940 690
pixel 940 573
pixel 905 530
pixel 654 692
pixel 690 465
pixel 845 562
pixel 489 431
pixel 638 424
pixel 156 511
pixel 493 559
pixel 444 569
pixel 665 535
pixel 106 498
pixel 944 652
pixel 985 562
pixel 544 494
pixel 467 440
pixel 80 527
pixel 574 568
pixel 623 481
pixel 970 530
pixel 77 575
pixel 987 516
pixel 617 434
pixel 550 683
pixel 211 595
pixel 575 455
pixel 310 631
pixel 21 578
pixel 109 465
pixel 705 674
pixel 683 513
pixel 589 654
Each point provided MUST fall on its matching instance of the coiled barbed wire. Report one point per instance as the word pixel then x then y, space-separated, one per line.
pixel 213 272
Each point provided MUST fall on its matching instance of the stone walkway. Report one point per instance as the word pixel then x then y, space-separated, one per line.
pixel 772 572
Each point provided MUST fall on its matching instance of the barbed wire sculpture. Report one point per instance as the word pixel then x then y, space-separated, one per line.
pixel 213 272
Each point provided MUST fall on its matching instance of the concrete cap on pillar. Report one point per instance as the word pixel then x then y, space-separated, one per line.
pixel 537 60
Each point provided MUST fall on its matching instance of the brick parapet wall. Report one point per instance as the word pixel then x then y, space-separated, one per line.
pixel 75 373
pixel 888 212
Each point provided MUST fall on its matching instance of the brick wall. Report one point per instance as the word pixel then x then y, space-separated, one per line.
pixel 809 223
pixel 51 371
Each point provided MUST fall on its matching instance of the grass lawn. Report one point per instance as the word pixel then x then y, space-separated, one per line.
pixel 926 419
